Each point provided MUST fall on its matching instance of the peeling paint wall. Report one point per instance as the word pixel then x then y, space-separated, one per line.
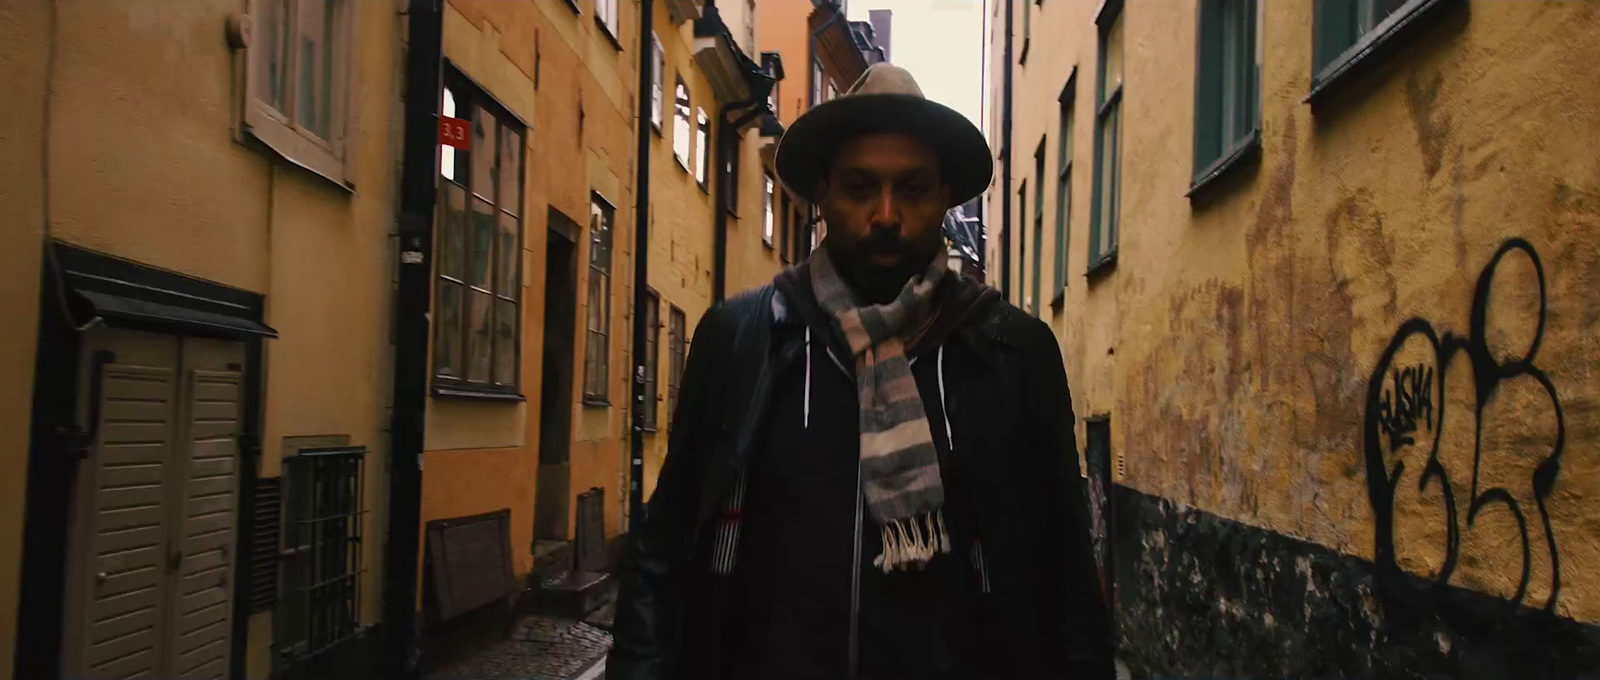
pixel 1444 205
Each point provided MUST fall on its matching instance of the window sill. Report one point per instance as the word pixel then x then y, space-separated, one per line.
pixel 1362 55
pixel 596 402
pixel 648 430
pixel 1022 57
pixel 768 244
pixel 1102 266
pixel 475 393
pixel 657 127
pixel 704 188
pixel 575 8
pixel 1243 154
pixel 1060 300
pixel 288 143
pixel 606 31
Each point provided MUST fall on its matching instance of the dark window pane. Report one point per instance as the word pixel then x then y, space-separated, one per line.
pixel 452 233
pixel 483 156
pixel 447 347
pixel 480 243
pixel 510 171
pixel 273 37
pixel 509 254
pixel 479 335
pixel 505 342
pixel 317 35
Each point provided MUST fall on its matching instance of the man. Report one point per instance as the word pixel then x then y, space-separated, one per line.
pixel 872 472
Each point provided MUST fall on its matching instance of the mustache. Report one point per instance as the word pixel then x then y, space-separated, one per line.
pixel 884 243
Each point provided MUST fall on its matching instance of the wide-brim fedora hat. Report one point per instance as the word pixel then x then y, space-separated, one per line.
pixel 886 99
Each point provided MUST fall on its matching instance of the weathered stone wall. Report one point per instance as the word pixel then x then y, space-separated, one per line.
pixel 1201 596
pixel 1377 337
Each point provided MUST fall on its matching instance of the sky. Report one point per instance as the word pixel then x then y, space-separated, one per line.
pixel 941 43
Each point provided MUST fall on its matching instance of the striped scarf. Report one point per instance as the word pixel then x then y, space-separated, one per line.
pixel 899 465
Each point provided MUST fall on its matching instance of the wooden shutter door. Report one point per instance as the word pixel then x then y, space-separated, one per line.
pixel 202 595
pixel 117 596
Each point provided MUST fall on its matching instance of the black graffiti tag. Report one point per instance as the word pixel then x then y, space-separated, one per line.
pixel 1408 400
pixel 1400 400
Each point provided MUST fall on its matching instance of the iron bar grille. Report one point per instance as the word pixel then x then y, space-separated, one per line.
pixel 321 566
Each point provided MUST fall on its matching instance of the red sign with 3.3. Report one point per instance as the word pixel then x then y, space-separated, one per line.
pixel 453 132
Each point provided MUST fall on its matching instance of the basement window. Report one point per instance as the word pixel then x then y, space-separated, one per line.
pixel 323 517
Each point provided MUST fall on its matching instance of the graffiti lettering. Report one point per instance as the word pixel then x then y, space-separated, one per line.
pixel 1409 400
pixel 1402 400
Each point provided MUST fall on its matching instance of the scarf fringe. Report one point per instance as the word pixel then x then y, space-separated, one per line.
pixel 911 542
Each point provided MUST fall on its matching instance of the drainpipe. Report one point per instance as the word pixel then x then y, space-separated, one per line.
pixel 1005 165
pixel 420 162
pixel 641 270
pixel 727 143
pixel 811 48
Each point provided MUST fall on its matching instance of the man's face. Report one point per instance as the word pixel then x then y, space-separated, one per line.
pixel 884 201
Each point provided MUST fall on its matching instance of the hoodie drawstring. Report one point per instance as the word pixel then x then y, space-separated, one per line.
pixel 944 412
pixel 808 378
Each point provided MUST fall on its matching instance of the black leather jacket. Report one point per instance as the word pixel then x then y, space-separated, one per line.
pixel 1043 615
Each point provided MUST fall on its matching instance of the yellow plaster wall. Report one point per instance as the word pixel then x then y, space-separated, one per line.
pixel 1235 342
pixel 23 46
pixel 146 165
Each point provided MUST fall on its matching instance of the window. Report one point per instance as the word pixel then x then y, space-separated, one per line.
pixel 1038 226
pixel 785 229
pixel 680 126
pixel 476 312
pixel 299 66
pixel 605 12
pixel 652 352
pixel 773 99
pixel 657 68
pixel 1022 245
pixel 1027 31
pixel 750 26
pixel 1226 102
pixel 1346 30
pixel 702 139
pixel 766 223
pixel 597 347
pixel 816 82
pixel 730 179
pixel 1103 212
pixel 677 345
pixel 323 516
pixel 1064 185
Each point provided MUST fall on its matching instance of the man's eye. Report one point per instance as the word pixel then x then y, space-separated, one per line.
pixel 914 190
pixel 859 189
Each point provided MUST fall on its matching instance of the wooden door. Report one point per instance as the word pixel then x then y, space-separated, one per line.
pixel 150 572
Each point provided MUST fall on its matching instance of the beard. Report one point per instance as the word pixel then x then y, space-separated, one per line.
pixel 875 283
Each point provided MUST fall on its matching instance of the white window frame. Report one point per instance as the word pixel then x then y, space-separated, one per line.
pixel 605 11
pixel 657 92
pixel 280 130
pixel 767 200
pixel 682 126
pixel 702 136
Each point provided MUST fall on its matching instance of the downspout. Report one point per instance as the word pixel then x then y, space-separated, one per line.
pixel 1005 165
pixel 727 140
pixel 641 269
pixel 420 162
pixel 812 54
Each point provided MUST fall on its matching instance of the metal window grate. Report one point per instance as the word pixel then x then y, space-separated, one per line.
pixel 591 532
pixel 321 560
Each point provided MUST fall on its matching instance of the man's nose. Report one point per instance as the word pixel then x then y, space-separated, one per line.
pixel 886 212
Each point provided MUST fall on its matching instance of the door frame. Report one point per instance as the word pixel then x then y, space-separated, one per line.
pixel 79 286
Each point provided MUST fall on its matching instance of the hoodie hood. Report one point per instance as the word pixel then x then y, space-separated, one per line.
pixel 960 302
